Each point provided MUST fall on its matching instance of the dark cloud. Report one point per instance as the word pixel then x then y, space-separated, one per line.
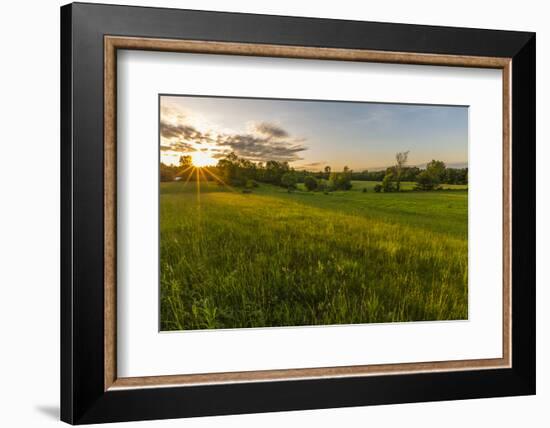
pixel 312 165
pixel 267 142
pixel 220 154
pixel 182 132
pixel 270 130
pixel 263 148
pixel 178 146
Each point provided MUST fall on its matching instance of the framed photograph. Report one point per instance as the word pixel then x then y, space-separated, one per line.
pixel 266 213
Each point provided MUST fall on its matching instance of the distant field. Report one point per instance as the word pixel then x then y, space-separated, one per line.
pixel 273 258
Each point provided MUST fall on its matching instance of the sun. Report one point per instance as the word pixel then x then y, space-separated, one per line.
pixel 200 159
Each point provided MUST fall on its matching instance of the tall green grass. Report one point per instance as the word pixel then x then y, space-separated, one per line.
pixel 272 258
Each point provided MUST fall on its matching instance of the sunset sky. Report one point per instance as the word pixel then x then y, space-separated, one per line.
pixel 311 134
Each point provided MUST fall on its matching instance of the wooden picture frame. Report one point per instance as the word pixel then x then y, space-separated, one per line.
pixel 91 390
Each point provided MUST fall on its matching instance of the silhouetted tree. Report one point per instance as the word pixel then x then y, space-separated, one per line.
pixel 400 161
pixel 340 180
pixel 427 180
pixel 289 181
pixel 168 172
pixel 437 168
pixel 310 182
pixel 388 182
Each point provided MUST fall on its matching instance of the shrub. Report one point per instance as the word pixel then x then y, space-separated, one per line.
pixel 426 180
pixel 341 180
pixel 378 188
pixel 310 182
pixel 388 184
pixel 364 190
pixel 289 181
pixel 167 172
pixel 250 184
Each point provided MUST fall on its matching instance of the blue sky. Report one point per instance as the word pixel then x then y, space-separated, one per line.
pixel 312 134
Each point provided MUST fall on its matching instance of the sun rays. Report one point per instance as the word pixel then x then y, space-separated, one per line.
pixel 199 168
pixel 205 174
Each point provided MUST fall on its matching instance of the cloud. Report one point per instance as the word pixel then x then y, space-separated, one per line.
pixel 220 154
pixel 315 164
pixel 261 148
pixel 267 141
pixel 178 146
pixel 270 130
pixel 171 111
pixel 181 132
pixel 312 165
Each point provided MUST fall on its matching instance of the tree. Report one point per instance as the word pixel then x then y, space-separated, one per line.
pixel 310 182
pixel 437 168
pixel 455 176
pixel 168 172
pixel 274 171
pixel 427 180
pixel 322 185
pixel 345 179
pixel 387 183
pixel 463 178
pixel 432 176
pixel 185 161
pixel 409 173
pixel 400 162
pixel 250 184
pixel 184 168
pixel 228 168
pixel 341 180
pixel 288 180
pixel 236 171
pixel 327 172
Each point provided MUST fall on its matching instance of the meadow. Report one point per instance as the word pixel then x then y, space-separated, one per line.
pixel 274 258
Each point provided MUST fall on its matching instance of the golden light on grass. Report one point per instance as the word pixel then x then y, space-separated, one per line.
pixel 199 173
pixel 395 267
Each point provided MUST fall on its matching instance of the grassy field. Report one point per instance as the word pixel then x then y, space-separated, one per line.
pixel 273 258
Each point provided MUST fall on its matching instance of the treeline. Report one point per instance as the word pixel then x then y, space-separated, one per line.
pixel 237 171
pixel 431 178
pixel 450 175
pixel 169 172
pixel 242 172
pixel 410 173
